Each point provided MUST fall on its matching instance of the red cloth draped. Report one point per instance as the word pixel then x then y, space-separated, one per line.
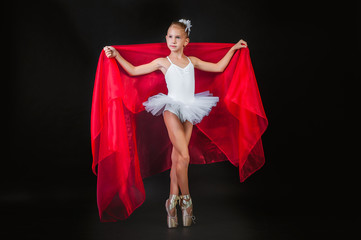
pixel 129 144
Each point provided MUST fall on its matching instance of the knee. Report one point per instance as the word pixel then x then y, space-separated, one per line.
pixel 183 158
pixel 183 162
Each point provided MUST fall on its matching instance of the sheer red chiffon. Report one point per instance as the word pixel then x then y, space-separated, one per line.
pixel 129 144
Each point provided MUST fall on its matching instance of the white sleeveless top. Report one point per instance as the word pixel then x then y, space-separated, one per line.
pixel 180 82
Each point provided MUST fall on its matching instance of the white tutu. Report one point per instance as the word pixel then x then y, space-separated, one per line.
pixel 193 111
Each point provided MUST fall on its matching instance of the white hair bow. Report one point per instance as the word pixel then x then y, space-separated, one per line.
pixel 188 25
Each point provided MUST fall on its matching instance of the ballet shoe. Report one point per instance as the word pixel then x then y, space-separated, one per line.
pixel 171 203
pixel 187 210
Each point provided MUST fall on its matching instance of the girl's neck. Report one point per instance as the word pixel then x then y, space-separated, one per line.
pixel 177 55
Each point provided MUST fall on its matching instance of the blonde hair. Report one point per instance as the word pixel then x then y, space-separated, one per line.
pixel 181 25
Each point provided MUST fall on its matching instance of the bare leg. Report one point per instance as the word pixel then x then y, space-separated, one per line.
pixel 174 189
pixel 179 135
pixel 188 127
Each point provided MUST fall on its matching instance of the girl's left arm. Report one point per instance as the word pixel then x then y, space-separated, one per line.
pixel 222 64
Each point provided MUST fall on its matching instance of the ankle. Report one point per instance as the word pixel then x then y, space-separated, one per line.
pixel 172 201
pixel 185 201
pixel 171 195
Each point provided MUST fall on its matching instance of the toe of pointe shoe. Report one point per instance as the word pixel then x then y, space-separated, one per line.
pixel 172 221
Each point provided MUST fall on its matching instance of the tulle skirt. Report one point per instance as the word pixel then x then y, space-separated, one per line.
pixel 193 111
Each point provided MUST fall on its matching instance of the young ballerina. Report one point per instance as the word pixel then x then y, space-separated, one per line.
pixel 181 108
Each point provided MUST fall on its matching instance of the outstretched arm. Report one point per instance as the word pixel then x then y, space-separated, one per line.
pixel 132 70
pixel 222 64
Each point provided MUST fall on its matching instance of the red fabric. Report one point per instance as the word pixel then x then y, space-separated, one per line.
pixel 129 144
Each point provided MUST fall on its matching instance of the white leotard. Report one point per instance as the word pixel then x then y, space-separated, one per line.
pixel 180 81
pixel 181 99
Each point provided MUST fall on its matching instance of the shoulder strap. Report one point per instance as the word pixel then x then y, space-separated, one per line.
pixel 169 60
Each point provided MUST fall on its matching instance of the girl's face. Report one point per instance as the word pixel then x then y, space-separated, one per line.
pixel 176 38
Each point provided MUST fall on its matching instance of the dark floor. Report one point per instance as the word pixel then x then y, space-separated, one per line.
pixel 224 208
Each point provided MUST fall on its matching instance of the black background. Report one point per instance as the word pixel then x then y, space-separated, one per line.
pixel 303 54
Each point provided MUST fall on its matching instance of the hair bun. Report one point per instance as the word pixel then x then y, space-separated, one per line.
pixel 188 25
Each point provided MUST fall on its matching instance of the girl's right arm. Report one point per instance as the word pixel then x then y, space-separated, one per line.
pixel 132 70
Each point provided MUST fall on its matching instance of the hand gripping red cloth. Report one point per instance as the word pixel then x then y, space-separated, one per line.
pixel 130 144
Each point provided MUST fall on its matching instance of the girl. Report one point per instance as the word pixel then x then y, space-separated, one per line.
pixel 181 108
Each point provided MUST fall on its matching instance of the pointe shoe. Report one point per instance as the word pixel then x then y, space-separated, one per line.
pixel 172 221
pixel 187 210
